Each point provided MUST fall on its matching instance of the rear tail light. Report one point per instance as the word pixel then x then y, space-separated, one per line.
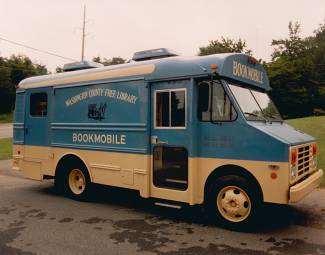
pixel 294 155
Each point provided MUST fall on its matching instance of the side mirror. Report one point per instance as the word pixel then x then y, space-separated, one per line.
pixel 204 91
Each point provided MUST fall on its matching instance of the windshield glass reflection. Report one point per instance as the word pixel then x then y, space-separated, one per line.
pixel 254 104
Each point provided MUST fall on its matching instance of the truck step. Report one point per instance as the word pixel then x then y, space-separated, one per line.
pixel 168 205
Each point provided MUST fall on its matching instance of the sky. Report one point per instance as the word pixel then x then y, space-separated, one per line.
pixel 122 27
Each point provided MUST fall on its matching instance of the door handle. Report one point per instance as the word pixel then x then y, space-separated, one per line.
pixel 26 131
pixel 155 140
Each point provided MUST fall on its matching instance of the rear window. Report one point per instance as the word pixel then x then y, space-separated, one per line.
pixel 38 104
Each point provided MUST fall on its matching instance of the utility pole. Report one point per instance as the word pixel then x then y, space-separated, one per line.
pixel 83 35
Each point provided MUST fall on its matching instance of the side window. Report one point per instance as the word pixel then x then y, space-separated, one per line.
pixel 214 103
pixel 170 108
pixel 38 104
pixel 222 109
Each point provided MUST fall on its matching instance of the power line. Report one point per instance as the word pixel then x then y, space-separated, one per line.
pixel 39 50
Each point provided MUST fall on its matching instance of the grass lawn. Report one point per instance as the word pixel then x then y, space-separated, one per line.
pixel 6 118
pixel 314 126
pixel 5 148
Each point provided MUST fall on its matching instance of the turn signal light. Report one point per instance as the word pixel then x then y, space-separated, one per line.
pixel 293 156
pixel 273 176
pixel 214 67
pixel 314 149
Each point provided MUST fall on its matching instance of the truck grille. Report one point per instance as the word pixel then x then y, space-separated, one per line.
pixel 304 159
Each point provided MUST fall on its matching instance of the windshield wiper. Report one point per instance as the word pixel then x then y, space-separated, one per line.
pixel 255 115
pixel 274 117
pixel 252 114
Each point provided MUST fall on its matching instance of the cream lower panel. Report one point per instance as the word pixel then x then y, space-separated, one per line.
pixel 186 196
pixel 133 171
pixel 32 159
pixel 274 190
pixel 17 156
pixel 112 168
pixel 30 167
pixel 109 168
pixel 32 170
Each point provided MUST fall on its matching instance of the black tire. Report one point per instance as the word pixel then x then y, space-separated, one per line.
pixel 63 185
pixel 59 184
pixel 230 196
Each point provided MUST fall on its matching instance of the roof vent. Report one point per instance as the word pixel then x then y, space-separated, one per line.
pixel 153 54
pixel 80 66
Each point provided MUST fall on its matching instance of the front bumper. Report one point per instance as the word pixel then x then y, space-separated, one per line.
pixel 302 189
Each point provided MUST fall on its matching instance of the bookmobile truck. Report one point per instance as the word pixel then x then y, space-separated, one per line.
pixel 198 130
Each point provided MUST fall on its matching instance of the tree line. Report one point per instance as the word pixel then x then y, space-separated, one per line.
pixel 12 71
pixel 296 71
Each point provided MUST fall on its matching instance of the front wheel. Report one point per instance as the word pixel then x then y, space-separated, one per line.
pixel 234 202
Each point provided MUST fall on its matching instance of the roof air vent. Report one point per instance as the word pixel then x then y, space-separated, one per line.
pixel 153 54
pixel 80 66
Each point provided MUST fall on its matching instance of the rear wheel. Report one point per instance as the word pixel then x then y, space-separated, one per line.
pixel 74 181
pixel 77 181
pixel 233 202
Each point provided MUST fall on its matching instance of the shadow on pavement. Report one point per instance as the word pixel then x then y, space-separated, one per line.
pixel 272 217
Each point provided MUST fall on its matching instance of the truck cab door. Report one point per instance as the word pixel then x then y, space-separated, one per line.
pixel 171 143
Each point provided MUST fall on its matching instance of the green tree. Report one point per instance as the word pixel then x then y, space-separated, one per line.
pixel 225 45
pixel 319 60
pixel 110 62
pixel 292 47
pixel 12 71
pixel 292 74
pixel 105 62
pixel 59 69
pixel 7 89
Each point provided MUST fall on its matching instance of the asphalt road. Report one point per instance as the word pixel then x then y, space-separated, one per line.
pixel 35 220
pixel 6 130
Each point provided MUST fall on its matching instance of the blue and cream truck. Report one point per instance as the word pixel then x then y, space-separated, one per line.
pixel 199 130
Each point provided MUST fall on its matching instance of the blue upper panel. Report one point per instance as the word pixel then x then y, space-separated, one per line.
pixel 240 67
pixel 110 109
pixel 245 69
pixel 109 116
pixel 283 132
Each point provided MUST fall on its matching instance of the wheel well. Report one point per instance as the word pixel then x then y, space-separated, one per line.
pixel 68 160
pixel 231 170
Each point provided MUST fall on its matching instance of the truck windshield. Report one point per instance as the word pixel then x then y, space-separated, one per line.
pixel 254 104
